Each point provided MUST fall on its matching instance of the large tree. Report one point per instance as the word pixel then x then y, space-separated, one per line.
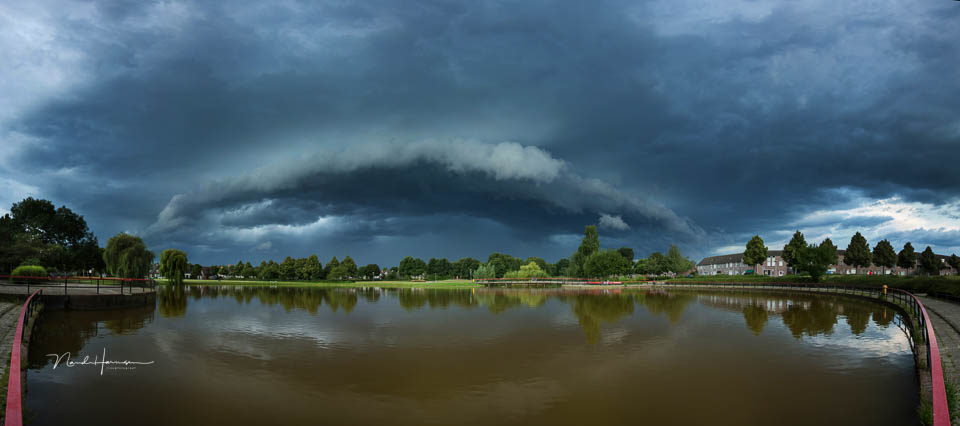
pixel 349 266
pixel 815 260
pixel 369 271
pixel 288 269
pixel 929 263
pixel 858 252
pixel 627 253
pixel 313 269
pixel 127 256
pixel 531 270
pixel 676 263
pixel 333 263
pixel 907 258
pixel 755 254
pixel 195 271
pixel 656 264
pixel 539 261
pixel 883 255
pixel 173 265
pixel 588 246
pixel 57 237
pixel 464 268
pixel 438 268
pixel 790 250
pixel 605 263
pixel 411 267
pixel 503 263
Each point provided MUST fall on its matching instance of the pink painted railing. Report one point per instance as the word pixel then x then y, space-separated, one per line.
pixel 14 413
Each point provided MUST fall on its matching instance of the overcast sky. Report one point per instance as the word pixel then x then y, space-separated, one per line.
pixel 380 129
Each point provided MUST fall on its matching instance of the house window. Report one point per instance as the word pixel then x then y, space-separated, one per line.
pixel 781 263
pixel 781 273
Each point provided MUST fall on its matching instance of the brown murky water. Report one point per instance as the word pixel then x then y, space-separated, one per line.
pixel 296 356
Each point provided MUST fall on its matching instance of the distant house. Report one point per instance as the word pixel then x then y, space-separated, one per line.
pixel 775 266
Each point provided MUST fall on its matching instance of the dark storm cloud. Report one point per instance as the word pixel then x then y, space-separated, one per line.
pixel 839 219
pixel 663 121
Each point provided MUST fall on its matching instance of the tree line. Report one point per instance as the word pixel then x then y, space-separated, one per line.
pixel 815 259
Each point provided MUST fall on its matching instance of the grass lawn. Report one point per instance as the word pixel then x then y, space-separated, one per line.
pixel 342 284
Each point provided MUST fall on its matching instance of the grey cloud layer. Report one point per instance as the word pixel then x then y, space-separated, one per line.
pixel 516 185
pixel 741 116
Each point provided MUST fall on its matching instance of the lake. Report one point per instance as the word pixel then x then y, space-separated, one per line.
pixel 298 356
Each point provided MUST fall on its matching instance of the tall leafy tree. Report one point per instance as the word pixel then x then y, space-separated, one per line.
pixel 756 253
pixel 676 263
pixel 411 266
pixel 503 263
pixel 883 255
pixel 58 236
pixel 369 271
pixel 173 265
pixel 195 270
pixel 349 266
pixel 539 261
pixel 313 269
pixel 127 256
pixel 790 250
pixel 438 268
pixel 858 252
pixel 560 268
pixel 288 269
pixel 464 268
pixel 605 263
pixel 627 253
pixel 815 260
pixel 531 270
pixel 485 271
pixel 588 246
pixel 929 263
pixel 907 258
pixel 333 263
pixel 656 264
pixel 248 271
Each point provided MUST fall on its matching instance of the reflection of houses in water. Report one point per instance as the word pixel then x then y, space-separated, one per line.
pixel 737 303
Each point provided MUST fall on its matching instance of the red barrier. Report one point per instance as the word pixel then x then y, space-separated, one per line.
pixel 941 411
pixel 14 414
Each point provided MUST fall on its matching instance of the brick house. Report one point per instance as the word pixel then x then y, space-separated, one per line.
pixel 775 266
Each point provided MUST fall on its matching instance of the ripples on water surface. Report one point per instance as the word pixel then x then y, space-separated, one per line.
pixel 247 355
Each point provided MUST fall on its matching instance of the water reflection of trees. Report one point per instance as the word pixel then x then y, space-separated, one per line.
pixel 802 314
pixel 670 304
pixel 591 310
pixel 68 331
pixel 172 301
pixel 756 317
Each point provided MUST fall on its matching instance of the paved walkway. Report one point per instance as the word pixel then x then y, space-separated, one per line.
pixel 945 317
pixel 9 315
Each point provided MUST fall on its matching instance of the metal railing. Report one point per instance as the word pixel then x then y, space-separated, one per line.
pixel 14 413
pixel 79 282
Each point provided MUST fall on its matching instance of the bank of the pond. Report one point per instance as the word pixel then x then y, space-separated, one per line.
pixel 945 285
pixel 336 284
